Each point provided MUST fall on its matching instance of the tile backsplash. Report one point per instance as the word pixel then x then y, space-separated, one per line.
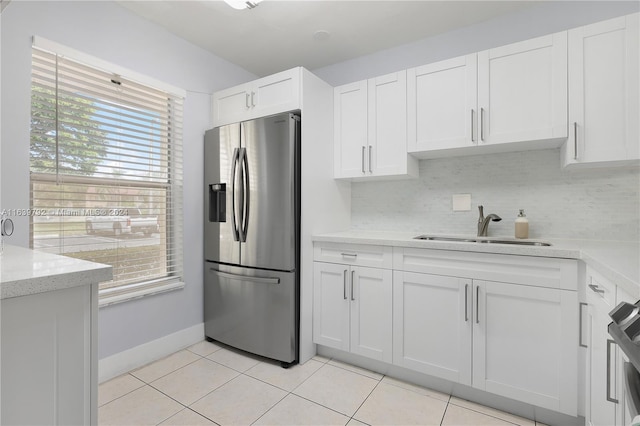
pixel 600 204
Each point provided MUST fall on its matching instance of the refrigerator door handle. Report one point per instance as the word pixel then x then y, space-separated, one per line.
pixel 234 224
pixel 244 213
pixel 266 280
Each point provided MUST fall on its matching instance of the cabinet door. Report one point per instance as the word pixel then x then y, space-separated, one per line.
pixel 522 91
pixel 371 306
pixel 231 105
pixel 270 95
pixel 276 93
pixel 525 344
pixel 331 305
pixel 47 364
pixel 603 92
pixel 350 130
pixel 432 325
pixel 602 370
pixel 387 148
pixel 442 100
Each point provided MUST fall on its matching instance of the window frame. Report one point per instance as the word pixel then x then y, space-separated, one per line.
pixel 173 186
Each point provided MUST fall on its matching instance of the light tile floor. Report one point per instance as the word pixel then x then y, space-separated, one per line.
pixel 207 384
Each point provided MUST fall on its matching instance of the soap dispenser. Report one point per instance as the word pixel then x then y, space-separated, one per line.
pixel 522 225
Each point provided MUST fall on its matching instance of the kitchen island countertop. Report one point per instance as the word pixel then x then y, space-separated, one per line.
pixel 24 272
pixel 615 260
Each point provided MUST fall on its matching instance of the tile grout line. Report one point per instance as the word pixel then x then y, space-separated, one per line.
pixel 133 390
pixel 365 400
pixel 491 415
pixel 164 375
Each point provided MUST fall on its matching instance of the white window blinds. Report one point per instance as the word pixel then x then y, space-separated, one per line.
pixel 106 172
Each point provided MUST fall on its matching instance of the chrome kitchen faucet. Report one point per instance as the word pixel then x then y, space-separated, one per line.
pixel 483 222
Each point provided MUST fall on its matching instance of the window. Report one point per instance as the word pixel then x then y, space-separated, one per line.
pixel 106 172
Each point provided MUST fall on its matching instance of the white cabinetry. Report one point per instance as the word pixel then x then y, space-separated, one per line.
pixel 600 405
pixel 513 93
pixel 604 93
pixel 442 104
pixel 511 320
pixel 352 304
pixel 524 344
pixel 370 129
pixel 432 325
pixel 522 91
pixel 605 389
pixel 266 96
pixel 49 358
pixel 350 129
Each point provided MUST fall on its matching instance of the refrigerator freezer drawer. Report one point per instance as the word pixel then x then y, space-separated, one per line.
pixel 253 310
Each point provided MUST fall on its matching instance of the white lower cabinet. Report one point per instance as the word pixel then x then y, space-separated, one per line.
pixel 606 399
pixel 601 404
pixel 525 344
pixel 352 309
pixel 519 341
pixel 432 325
pixel 503 324
pixel 49 358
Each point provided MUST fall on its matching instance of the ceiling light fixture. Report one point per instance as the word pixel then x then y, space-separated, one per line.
pixel 242 4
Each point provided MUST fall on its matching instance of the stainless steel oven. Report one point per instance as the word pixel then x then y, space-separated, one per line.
pixel 625 331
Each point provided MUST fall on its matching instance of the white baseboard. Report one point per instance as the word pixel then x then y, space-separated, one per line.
pixel 125 361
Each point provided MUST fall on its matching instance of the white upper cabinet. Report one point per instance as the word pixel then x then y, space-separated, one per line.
pixel 350 129
pixel 266 96
pixel 442 104
pixel 492 99
pixel 603 93
pixel 370 133
pixel 522 91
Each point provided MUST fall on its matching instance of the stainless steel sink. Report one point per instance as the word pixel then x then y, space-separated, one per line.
pixel 483 241
pixel 433 238
pixel 515 242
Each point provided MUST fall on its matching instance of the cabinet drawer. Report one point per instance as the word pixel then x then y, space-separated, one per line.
pixel 526 270
pixel 354 254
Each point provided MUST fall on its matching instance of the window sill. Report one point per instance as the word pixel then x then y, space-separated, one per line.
pixel 114 296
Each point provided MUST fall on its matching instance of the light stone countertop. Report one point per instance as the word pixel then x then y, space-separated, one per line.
pixel 24 272
pixel 616 261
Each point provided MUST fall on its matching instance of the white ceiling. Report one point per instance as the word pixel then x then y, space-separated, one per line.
pixel 277 35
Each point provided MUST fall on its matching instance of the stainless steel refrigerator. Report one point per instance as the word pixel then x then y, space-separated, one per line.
pixel 252 234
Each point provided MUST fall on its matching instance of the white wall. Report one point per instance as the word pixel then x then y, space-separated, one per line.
pixel 110 32
pixel 589 204
pixel 545 18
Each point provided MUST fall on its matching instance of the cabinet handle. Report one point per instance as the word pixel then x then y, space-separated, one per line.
pixel 344 285
pixel 477 304
pixel 473 140
pixel 246 100
pixel 466 304
pixel 363 149
pixel 253 94
pixel 370 171
pixel 580 326
pixel 595 289
pixel 482 124
pixel 609 342
pixel 349 254
pixel 575 140
pixel 352 284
